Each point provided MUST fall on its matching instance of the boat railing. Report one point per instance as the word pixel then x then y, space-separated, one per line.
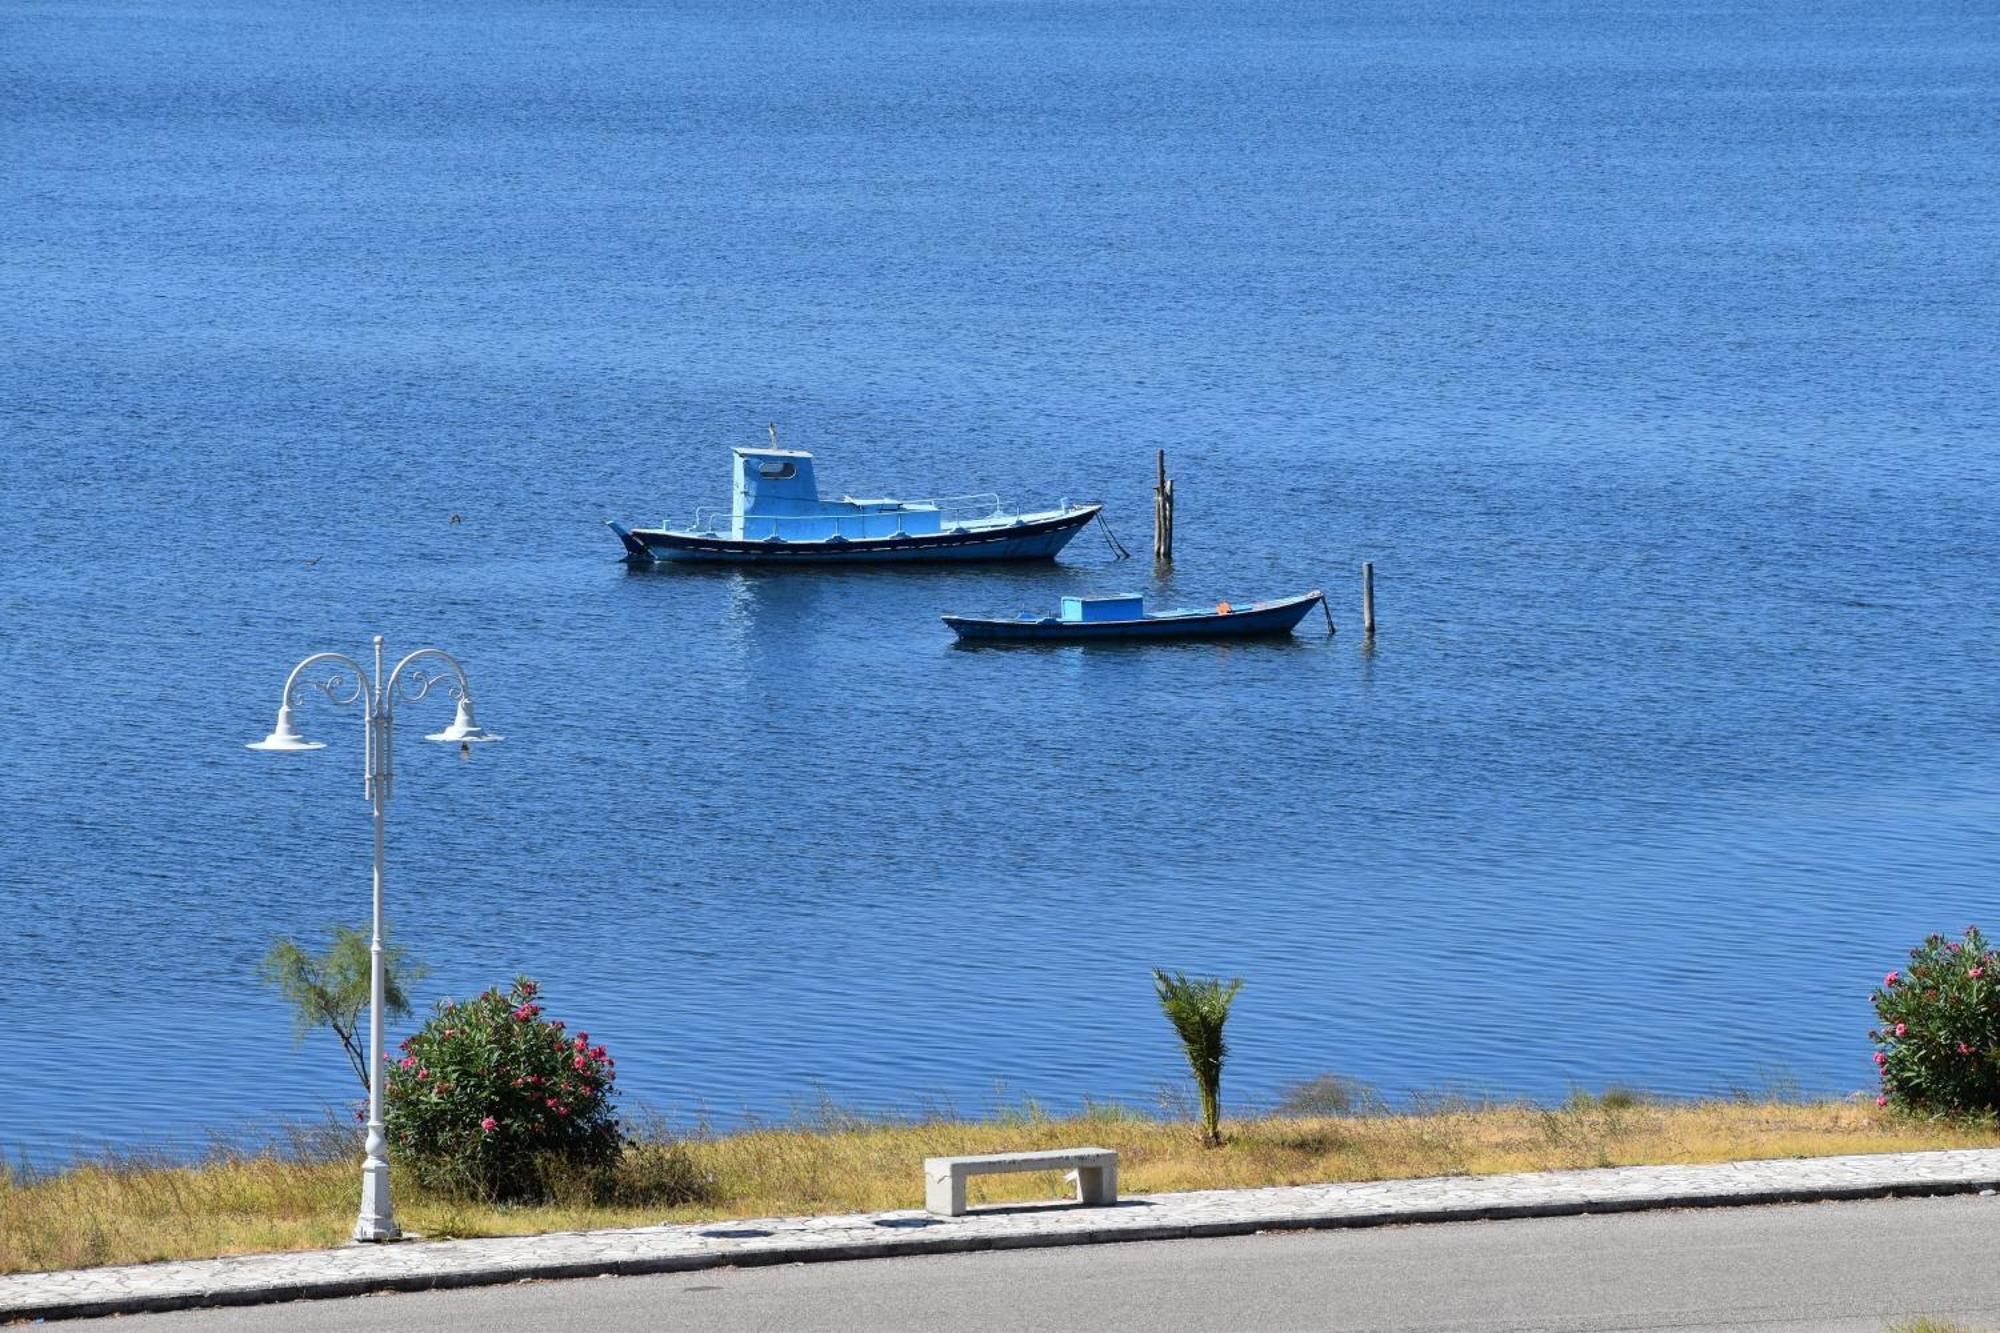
pixel 857 524
pixel 965 508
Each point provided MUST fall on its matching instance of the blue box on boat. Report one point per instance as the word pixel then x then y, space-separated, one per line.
pixel 1090 610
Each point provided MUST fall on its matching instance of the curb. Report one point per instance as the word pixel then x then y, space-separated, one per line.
pixel 811 1248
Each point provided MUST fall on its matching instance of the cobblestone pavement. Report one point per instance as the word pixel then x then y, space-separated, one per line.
pixel 416 1265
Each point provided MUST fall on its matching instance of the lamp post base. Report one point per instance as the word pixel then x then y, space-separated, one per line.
pixel 377 1222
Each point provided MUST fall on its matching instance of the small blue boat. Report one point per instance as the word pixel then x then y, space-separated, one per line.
pixel 1093 618
pixel 776 516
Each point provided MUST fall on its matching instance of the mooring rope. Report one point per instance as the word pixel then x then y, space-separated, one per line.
pixel 1117 546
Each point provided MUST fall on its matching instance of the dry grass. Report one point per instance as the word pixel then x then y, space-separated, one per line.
pixel 134 1211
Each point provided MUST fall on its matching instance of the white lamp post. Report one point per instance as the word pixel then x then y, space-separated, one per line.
pixel 347 683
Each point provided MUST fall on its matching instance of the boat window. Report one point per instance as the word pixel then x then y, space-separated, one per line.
pixel 777 471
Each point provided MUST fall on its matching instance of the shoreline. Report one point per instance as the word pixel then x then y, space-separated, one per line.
pixel 112 1212
pixel 429 1265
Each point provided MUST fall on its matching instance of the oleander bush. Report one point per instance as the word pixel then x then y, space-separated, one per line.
pixel 491 1101
pixel 1937 1039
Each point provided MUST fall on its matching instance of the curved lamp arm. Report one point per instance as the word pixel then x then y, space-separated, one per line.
pixel 464 728
pixel 337 686
pixel 346 684
pixel 413 683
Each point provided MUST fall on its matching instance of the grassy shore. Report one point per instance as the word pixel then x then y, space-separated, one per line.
pixel 130 1211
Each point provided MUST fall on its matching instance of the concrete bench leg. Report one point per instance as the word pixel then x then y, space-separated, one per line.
pixel 1097 1184
pixel 945 1193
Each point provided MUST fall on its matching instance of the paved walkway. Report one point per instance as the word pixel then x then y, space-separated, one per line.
pixel 414 1266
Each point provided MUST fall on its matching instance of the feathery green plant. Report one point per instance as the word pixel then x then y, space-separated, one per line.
pixel 331 989
pixel 1198 1007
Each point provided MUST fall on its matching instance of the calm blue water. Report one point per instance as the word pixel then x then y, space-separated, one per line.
pixel 1648 350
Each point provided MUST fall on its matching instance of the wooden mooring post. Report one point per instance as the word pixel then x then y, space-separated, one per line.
pixel 1368 598
pixel 1163 514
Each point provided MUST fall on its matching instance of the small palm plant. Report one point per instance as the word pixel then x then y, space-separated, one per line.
pixel 1198 1007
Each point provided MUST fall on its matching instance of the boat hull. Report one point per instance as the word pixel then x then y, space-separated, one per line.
pixel 1262 618
pixel 1031 539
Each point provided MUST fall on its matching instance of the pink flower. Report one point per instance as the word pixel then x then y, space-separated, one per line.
pixel 423 1074
pixel 580 1064
pixel 1881 1059
pixel 562 1110
pixel 597 1052
pixel 582 1041
pixel 1902 1030
pixel 550 1102
pixel 524 1013
pixel 1881 1101
pixel 1891 979
pixel 1975 972
pixel 489 1124
pixel 1963 1049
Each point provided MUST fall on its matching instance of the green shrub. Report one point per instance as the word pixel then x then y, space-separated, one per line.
pixel 1327 1095
pixel 493 1102
pixel 652 1173
pixel 1938 1039
pixel 1615 1097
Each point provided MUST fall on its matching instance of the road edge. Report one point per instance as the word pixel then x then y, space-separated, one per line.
pixel 501 1273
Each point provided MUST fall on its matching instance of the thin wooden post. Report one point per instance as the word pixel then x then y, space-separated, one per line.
pixel 1163 512
pixel 1368 597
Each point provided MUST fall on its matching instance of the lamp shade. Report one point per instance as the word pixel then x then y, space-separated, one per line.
pixel 285 736
pixel 463 728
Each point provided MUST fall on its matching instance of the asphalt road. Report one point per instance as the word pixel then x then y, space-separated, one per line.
pixel 1859 1266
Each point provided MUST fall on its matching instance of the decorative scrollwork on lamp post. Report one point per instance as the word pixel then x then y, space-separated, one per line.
pixel 345 682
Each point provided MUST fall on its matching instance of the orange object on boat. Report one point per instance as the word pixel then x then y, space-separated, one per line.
pixel 1222 608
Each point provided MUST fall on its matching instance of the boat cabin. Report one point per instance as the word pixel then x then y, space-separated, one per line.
pixel 1093 610
pixel 777 498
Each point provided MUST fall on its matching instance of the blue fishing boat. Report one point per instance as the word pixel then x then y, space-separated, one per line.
pixel 1095 618
pixel 776 516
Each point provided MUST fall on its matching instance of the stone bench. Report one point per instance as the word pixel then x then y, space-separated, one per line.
pixel 1096 1174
